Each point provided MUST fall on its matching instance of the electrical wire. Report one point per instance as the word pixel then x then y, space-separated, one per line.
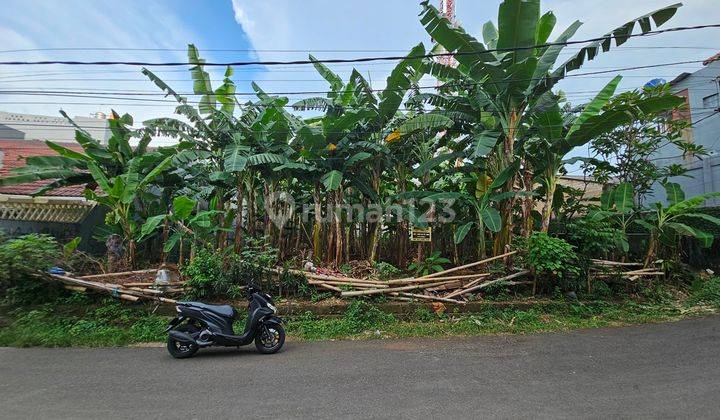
pixel 359 59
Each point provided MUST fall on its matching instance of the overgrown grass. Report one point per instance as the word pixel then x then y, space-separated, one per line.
pixel 77 321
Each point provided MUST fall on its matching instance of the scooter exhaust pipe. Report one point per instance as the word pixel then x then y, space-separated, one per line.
pixel 182 337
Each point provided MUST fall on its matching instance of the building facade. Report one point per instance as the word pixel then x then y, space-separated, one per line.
pixel 701 91
pixel 16 126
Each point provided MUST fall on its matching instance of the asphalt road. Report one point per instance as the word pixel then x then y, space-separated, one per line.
pixel 651 371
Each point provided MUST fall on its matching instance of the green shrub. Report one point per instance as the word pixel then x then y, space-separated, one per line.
pixel 211 274
pixel 431 264
pixel 386 270
pixel 553 259
pixel 595 238
pixel 20 260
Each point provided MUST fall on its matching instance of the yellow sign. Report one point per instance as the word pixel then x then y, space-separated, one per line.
pixel 420 234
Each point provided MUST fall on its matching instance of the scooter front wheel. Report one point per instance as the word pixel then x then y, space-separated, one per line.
pixel 270 339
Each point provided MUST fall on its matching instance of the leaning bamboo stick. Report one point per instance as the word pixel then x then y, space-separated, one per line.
pixel 329 287
pixel 475 264
pixel 611 263
pixel 347 283
pixel 80 289
pixel 131 298
pixel 389 290
pixel 490 283
pixel 119 274
pixel 411 280
pixel 471 284
pixel 642 270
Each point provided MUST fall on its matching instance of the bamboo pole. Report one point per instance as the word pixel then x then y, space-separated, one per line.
pixel 489 283
pixel 411 280
pixel 329 287
pixel 475 264
pixel 118 274
pixel 348 283
pixel 391 289
pixel 429 297
pixel 611 263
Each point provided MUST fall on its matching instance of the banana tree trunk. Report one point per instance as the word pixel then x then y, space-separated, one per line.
pixel 504 237
pixel 528 202
pixel 652 249
pixel 222 236
pixel 547 209
pixel 337 216
pixel 251 208
pixel 317 226
pixel 239 215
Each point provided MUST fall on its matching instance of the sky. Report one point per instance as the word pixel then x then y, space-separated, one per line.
pixel 241 30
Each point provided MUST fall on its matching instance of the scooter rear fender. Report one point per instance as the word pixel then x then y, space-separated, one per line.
pixel 182 337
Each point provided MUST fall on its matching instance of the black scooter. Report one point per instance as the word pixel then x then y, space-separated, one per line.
pixel 200 325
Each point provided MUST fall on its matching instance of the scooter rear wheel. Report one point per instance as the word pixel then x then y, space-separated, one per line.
pixel 180 350
pixel 270 339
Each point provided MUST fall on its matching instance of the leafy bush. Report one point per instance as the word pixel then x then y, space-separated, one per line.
pixel 594 238
pixel 20 260
pixel 552 258
pixel 211 274
pixel 433 263
pixel 386 270
pixel 224 273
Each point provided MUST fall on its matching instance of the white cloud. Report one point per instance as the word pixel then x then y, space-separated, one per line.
pixel 50 24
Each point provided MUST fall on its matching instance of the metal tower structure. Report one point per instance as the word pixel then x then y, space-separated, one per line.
pixel 447 8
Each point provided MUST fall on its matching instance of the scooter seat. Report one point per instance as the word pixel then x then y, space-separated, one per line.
pixel 222 310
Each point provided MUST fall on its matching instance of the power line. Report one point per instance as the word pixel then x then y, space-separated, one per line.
pixel 360 59
pixel 455 85
pixel 263 50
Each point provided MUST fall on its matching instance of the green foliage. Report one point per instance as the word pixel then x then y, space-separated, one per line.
pixel 552 257
pixel 386 270
pixel 706 292
pixel 433 263
pixel 211 274
pixel 76 322
pixel 20 261
pixel 223 273
pixel 595 238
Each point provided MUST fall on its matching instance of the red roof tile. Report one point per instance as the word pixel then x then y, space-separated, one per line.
pixel 13 155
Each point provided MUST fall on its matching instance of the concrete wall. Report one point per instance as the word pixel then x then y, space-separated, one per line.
pixel 63 232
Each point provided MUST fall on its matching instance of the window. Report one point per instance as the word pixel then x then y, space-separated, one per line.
pixel 710 102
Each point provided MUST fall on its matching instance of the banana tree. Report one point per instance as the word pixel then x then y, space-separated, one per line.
pixel 209 129
pixel 665 224
pixel 184 223
pixel 516 68
pixel 486 216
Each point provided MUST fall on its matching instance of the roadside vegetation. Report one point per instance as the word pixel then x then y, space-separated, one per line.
pixel 388 184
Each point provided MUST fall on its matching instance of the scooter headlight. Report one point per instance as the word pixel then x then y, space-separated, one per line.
pixel 272 307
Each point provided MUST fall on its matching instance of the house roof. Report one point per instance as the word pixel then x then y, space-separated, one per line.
pixel 13 154
pixel 714 58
